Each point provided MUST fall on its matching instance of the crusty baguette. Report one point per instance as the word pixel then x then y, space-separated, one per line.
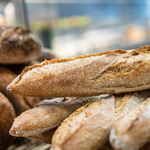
pixel 17 46
pixel 47 115
pixel 130 101
pixel 73 138
pixel 6 76
pixel 7 115
pixel 87 127
pixel 117 71
pixel 132 131
pixel 45 137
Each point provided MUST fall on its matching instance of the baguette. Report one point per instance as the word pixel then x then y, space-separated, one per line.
pixel 6 118
pixel 117 71
pixel 6 76
pixel 17 46
pixel 66 137
pixel 87 127
pixel 133 130
pixel 47 115
pixel 130 101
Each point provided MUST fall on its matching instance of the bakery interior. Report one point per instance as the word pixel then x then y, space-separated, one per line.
pixel 70 28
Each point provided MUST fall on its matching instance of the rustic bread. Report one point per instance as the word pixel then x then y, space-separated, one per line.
pixel 47 115
pixel 117 71
pixel 132 130
pixel 130 101
pixel 17 46
pixel 79 129
pixel 6 118
pixel 6 76
pixel 87 127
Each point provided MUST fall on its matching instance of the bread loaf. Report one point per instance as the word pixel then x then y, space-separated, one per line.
pixel 47 115
pixel 7 115
pixel 117 71
pixel 17 46
pixel 89 127
pixel 132 130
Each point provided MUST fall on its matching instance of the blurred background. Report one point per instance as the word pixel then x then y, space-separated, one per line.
pixel 75 27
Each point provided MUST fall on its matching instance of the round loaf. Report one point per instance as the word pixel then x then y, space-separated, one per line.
pixel 7 115
pixel 17 46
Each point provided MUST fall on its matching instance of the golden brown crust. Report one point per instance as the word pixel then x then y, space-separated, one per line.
pixel 132 130
pixel 123 104
pixel 17 46
pixel 47 115
pixel 7 115
pixel 6 77
pixel 87 127
pixel 108 72
pixel 121 101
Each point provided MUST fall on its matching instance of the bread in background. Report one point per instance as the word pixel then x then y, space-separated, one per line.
pixel 7 114
pixel 17 45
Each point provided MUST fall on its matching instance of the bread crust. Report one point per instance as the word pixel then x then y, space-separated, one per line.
pixel 6 118
pixel 17 46
pixel 47 115
pixel 109 72
pixel 66 137
pixel 88 123
pixel 132 130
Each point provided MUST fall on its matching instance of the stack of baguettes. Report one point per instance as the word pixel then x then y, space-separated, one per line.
pixel 18 48
pixel 80 116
